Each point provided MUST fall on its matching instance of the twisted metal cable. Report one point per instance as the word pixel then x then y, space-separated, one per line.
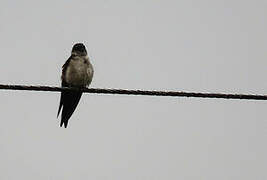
pixel 136 92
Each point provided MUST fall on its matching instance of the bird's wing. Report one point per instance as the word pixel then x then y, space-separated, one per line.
pixel 63 82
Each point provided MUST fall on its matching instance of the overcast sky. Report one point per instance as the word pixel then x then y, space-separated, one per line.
pixel 185 45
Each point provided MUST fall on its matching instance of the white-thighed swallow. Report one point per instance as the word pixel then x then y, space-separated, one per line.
pixel 76 72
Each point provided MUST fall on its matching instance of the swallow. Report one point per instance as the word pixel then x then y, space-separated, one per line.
pixel 76 72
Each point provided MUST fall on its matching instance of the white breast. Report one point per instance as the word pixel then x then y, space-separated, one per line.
pixel 79 72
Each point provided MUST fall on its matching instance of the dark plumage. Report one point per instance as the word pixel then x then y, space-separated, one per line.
pixel 69 101
pixel 76 72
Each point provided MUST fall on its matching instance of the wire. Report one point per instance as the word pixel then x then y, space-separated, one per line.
pixel 135 92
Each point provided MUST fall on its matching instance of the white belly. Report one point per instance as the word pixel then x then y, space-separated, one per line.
pixel 79 73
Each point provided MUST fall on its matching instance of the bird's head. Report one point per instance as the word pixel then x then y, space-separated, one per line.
pixel 79 49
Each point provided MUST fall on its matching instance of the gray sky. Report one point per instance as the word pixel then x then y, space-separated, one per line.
pixel 190 45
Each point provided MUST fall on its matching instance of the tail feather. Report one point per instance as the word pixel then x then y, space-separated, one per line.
pixel 69 102
pixel 60 105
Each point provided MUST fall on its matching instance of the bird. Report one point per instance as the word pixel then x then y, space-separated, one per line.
pixel 77 72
